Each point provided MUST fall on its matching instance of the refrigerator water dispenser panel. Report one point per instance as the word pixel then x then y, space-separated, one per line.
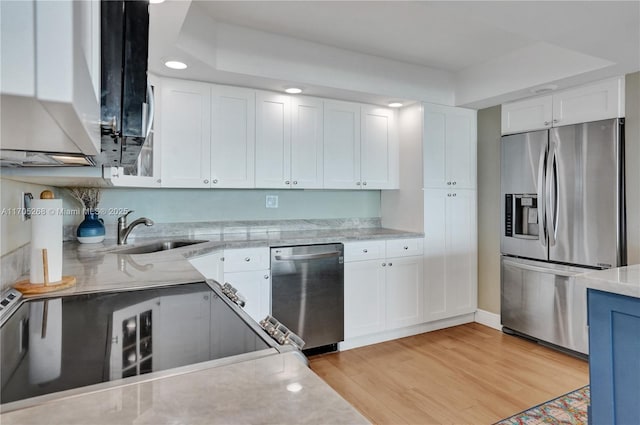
pixel 521 216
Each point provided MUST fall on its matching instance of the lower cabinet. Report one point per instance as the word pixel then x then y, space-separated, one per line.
pixel 614 358
pixel 255 288
pixel 450 253
pixel 382 293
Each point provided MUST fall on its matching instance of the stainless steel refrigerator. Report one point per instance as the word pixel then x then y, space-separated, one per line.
pixel 563 213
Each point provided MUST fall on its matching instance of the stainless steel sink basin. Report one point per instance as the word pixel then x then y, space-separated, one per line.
pixel 158 246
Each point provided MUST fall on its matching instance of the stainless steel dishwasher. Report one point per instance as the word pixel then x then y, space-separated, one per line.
pixel 307 293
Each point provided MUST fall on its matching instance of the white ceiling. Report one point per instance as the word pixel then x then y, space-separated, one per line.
pixel 482 52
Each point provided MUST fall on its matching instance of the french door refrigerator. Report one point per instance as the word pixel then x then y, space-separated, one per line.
pixel 563 213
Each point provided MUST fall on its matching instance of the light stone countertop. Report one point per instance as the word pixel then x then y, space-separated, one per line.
pixel 620 280
pixel 261 391
pixel 99 267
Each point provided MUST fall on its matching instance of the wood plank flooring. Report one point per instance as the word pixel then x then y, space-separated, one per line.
pixel 468 374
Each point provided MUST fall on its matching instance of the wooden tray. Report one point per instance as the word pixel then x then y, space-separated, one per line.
pixel 29 288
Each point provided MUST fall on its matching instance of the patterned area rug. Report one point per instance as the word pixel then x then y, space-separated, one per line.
pixel 570 408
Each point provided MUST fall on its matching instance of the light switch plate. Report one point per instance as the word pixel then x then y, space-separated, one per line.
pixel 272 201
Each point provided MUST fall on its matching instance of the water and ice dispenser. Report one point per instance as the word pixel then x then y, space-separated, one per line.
pixel 521 216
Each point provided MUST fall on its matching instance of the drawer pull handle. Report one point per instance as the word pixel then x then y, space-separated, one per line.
pixel 365 251
pixel 247 259
pixel 406 247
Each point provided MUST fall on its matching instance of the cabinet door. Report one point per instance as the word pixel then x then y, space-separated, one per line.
pixel 593 102
pixel 435 218
pixel 364 298
pixel 255 288
pixel 233 137
pixel 378 149
pixel 450 249
pixel 527 115
pixel 449 147
pixel 185 132
pixel 273 140
pixel 210 266
pixel 306 143
pixel 341 145
pixel 461 252
pixel 404 291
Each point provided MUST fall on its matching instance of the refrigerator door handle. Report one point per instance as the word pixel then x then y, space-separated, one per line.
pixel 549 209
pixel 542 236
pixel 539 269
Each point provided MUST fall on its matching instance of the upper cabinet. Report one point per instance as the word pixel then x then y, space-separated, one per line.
pixel 592 102
pixel 449 147
pixel 213 136
pixel 233 118
pixel 185 132
pixel 360 147
pixel 50 80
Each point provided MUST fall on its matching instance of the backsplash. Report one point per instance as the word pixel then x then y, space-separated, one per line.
pixel 233 227
pixel 15 264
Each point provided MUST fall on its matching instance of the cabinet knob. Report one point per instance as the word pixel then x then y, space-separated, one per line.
pixel 384 264
pixel 448 183
pixel 364 183
pixel 449 195
pixel 247 259
pixel 357 183
pixel 406 247
pixel 546 123
pixel 159 181
pixel 556 121
pixel 390 264
pixel 453 183
pixel 295 182
pixel 286 182
pixel 215 181
pixel 365 251
pixel 206 181
pixel 266 276
pixel 453 194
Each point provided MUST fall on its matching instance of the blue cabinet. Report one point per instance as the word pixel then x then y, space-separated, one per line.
pixel 614 358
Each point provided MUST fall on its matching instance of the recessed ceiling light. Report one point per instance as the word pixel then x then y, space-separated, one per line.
pixel 293 90
pixel 156 1
pixel 395 104
pixel 175 65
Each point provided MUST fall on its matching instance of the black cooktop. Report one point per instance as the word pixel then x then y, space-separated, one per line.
pixel 69 342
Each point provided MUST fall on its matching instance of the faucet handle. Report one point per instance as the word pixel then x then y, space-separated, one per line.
pixel 123 218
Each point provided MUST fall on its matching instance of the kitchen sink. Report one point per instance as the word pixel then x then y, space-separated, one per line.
pixel 158 246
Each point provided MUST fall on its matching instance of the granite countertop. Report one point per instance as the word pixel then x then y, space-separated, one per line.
pixel 100 267
pixel 620 280
pixel 274 389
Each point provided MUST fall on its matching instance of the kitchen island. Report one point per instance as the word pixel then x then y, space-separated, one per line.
pixel 613 301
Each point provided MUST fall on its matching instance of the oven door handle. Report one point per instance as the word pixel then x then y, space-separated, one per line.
pixel 308 256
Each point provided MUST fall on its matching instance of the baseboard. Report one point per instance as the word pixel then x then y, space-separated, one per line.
pixel 489 319
pixel 404 332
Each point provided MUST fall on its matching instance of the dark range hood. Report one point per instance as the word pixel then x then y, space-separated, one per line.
pixel 127 97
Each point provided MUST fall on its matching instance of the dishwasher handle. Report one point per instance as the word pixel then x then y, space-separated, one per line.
pixel 308 256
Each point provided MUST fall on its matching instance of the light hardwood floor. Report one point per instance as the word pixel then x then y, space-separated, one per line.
pixel 468 374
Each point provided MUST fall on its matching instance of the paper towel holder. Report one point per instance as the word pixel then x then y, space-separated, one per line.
pixel 28 288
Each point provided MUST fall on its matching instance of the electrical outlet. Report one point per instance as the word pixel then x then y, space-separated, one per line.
pixel 272 201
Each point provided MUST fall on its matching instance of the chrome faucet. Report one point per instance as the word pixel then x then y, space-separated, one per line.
pixel 124 230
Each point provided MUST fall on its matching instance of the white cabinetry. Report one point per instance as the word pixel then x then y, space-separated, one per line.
pixel 341 145
pixel 207 135
pixel 247 270
pixel 450 253
pixel 591 102
pixel 449 147
pixel 273 140
pixel 360 147
pixel 307 117
pixel 210 266
pixel 383 286
pixel 232 137
pixel 50 53
pixel 185 130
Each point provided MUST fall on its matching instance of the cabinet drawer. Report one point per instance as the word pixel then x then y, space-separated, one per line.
pixel 405 247
pixel 367 250
pixel 246 259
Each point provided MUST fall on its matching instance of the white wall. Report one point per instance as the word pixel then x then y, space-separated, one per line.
pixel 14 232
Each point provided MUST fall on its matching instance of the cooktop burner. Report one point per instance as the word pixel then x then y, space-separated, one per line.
pixel 69 342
